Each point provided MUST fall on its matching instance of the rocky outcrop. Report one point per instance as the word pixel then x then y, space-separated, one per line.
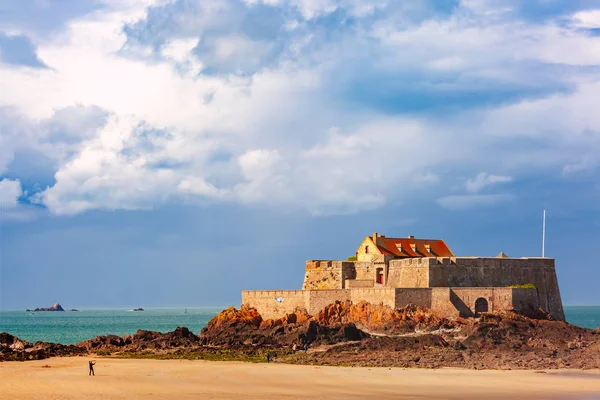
pixel 356 334
pixel 380 318
pixel 245 327
pixel 55 307
pixel 15 349
pixel 142 340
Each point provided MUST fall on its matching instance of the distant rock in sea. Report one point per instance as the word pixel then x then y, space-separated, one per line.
pixel 138 309
pixel 73 309
pixel 55 307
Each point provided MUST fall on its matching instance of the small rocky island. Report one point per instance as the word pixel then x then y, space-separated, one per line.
pixel 55 307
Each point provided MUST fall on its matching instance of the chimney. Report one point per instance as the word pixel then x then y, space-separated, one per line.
pixel 411 237
pixel 375 237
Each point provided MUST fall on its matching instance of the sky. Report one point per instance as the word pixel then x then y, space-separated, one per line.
pixel 175 152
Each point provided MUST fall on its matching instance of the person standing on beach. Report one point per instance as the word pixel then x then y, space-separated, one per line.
pixel 92 363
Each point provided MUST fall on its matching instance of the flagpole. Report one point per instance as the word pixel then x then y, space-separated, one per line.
pixel 544 235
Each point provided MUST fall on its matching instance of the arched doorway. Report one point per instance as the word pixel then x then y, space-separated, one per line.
pixel 481 306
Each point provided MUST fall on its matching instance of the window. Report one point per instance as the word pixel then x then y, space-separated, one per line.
pixel 367 249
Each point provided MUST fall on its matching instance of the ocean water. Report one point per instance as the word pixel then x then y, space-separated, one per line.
pixel 71 327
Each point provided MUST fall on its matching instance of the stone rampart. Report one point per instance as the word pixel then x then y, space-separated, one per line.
pixel 409 273
pixel 319 299
pixel 450 302
pixel 327 274
pixel 385 296
pixel 418 296
pixel 356 283
pixel 268 305
pixel 501 273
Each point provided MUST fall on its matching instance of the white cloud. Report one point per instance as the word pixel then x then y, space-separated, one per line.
pixel 10 207
pixel 586 19
pixel 306 122
pixel 10 191
pixel 483 180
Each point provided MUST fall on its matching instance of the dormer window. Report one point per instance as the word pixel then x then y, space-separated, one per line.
pixel 399 246
pixel 367 249
pixel 413 246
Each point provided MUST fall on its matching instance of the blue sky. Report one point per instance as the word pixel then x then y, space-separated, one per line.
pixel 169 153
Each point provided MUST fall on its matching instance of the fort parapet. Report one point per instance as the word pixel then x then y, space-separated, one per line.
pixel 401 271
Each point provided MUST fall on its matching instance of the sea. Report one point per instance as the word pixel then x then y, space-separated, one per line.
pixel 70 327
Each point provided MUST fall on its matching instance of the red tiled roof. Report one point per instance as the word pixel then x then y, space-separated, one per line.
pixel 392 246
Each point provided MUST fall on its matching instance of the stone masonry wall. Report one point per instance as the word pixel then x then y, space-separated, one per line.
pixel 525 300
pixel 419 297
pixel 385 296
pixel 267 305
pixel 355 283
pixel 499 299
pixel 450 302
pixel 464 299
pixel 502 272
pixel 366 270
pixel 409 273
pixel 441 302
pixel 325 274
pixel 319 299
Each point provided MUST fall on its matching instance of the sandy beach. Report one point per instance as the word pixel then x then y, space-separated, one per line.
pixel 67 378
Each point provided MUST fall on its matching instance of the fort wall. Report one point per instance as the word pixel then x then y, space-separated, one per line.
pixel 319 299
pixel 356 283
pixel 327 274
pixel 409 273
pixel 450 302
pixel 366 270
pixel 500 273
pixel 268 307
pixel 385 296
pixel 421 297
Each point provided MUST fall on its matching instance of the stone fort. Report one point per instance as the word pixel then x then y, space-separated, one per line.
pixel 400 271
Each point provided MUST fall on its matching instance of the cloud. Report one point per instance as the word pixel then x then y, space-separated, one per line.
pixel 18 50
pixel 586 19
pixel 468 201
pixel 11 209
pixel 331 107
pixel 10 191
pixel 483 180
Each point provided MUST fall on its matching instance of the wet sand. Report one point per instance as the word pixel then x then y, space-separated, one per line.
pixel 67 378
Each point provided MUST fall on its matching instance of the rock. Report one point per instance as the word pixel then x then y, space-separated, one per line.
pixel 459 345
pixel 55 307
pixel 380 318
